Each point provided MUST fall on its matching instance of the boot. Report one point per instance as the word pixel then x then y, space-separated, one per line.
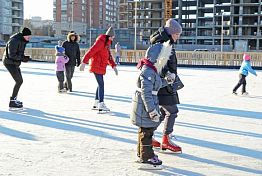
pixel 155 143
pixel 168 144
pixel 14 104
pixel 95 106
pixel 102 107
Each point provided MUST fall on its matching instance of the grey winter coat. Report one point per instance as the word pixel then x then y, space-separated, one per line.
pixel 145 99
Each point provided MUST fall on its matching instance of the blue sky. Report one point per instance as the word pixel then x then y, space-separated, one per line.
pixel 42 8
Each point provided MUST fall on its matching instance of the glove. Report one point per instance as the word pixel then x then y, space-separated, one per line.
pixel 155 116
pixel 170 77
pixel 82 66
pixel 26 59
pixel 116 71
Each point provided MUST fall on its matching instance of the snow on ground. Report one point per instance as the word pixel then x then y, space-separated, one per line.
pixel 59 134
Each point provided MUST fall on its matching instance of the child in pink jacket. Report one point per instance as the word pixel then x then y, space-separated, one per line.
pixel 60 61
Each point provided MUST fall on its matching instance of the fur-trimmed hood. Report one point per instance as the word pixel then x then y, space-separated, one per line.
pixel 77 39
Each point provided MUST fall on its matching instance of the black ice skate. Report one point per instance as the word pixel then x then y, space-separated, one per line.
pixel 15 104
pixel 151 164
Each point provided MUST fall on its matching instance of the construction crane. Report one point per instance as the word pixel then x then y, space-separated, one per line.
pixel 168 9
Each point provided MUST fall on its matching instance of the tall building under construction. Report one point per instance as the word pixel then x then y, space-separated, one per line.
pixel 229 23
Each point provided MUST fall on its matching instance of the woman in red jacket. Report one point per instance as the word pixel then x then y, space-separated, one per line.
pixel 99 57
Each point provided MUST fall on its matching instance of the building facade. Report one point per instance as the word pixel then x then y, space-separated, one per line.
pixel 11 17
pixel 83 15
pixel 202 20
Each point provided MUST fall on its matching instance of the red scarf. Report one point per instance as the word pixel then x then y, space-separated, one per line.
pixel 145 61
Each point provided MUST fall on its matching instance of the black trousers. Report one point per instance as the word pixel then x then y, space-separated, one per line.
pixel 144 144
pixel 17 76
pixel 70 69
pixel 242 81
pixel 60 77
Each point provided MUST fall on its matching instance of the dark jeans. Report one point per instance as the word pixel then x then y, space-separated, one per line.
pixel 70 69
pixel 242 81
pixel 117 59
pixel 100 88
pixel 60 77
pixel 170 113
pixel 144 144
pixel 17 76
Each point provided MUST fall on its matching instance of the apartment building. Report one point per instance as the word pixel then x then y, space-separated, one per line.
pixel 11 17
pixel 83 15
pixel 202 20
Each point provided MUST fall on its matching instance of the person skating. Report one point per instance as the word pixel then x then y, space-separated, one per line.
pixel 12 58
pixel 168 97
pixel 118 53
pixel 99 56
pixel 60 61
pixel 145 108
pixel 243 73
pixel 72 50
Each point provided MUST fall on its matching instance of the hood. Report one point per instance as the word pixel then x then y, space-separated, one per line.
pixel 102 37
pixel 77 39
pixel 153 52
pixel 160 36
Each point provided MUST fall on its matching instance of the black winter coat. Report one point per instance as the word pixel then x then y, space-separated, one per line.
pixel 73 52
pixel 166 95
pixel 14 51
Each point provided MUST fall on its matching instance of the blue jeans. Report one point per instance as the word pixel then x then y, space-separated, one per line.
pixel 100 88
pixel 117 59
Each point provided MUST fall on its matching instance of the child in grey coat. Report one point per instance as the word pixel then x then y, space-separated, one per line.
pixel 145 106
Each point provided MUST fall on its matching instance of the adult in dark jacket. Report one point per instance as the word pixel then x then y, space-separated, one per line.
pixel 73 52
pixel 12 58
pixel 168 97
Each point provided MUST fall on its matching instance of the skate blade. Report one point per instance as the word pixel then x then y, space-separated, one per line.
pixel 103 112
pixel 16 109
pixel 150 167
pixel 169 151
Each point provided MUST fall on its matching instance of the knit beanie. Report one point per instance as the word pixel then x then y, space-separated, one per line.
pixel 110 32
pixel 26 31
pixel 246 57
pixel 173 27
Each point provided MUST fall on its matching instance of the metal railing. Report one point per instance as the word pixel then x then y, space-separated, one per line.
pixel 184 57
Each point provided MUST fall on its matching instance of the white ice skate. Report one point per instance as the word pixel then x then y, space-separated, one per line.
pixel 102 108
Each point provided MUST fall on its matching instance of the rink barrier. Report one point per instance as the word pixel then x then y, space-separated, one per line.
pixel 186 58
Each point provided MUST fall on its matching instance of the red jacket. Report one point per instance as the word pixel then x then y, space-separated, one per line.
pixel 99 55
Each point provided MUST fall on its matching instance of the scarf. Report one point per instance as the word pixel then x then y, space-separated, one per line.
pixel 146 62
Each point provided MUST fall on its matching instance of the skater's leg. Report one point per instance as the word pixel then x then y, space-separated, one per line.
pixel 17 76
pixel 146 150
pixel 240 82
pixel 170 112
pixel 244 85
pixel 69 75
pixel 60 78
pixel 100 90
pixel 138 142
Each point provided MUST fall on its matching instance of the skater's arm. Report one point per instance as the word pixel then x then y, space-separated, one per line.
pixel 98 45
pixel 251 70
pixel 13 47
pixel 146 90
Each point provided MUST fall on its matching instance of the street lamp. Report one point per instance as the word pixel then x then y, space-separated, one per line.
pixel 222 29
pixel 135 25
pixel 90 24
pixel 72 25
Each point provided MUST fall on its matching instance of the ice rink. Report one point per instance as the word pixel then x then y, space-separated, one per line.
pixel 59 135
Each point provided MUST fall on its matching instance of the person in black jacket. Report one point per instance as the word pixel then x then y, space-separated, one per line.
pixel 73 52
pixel 12 58
pixel 168 97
